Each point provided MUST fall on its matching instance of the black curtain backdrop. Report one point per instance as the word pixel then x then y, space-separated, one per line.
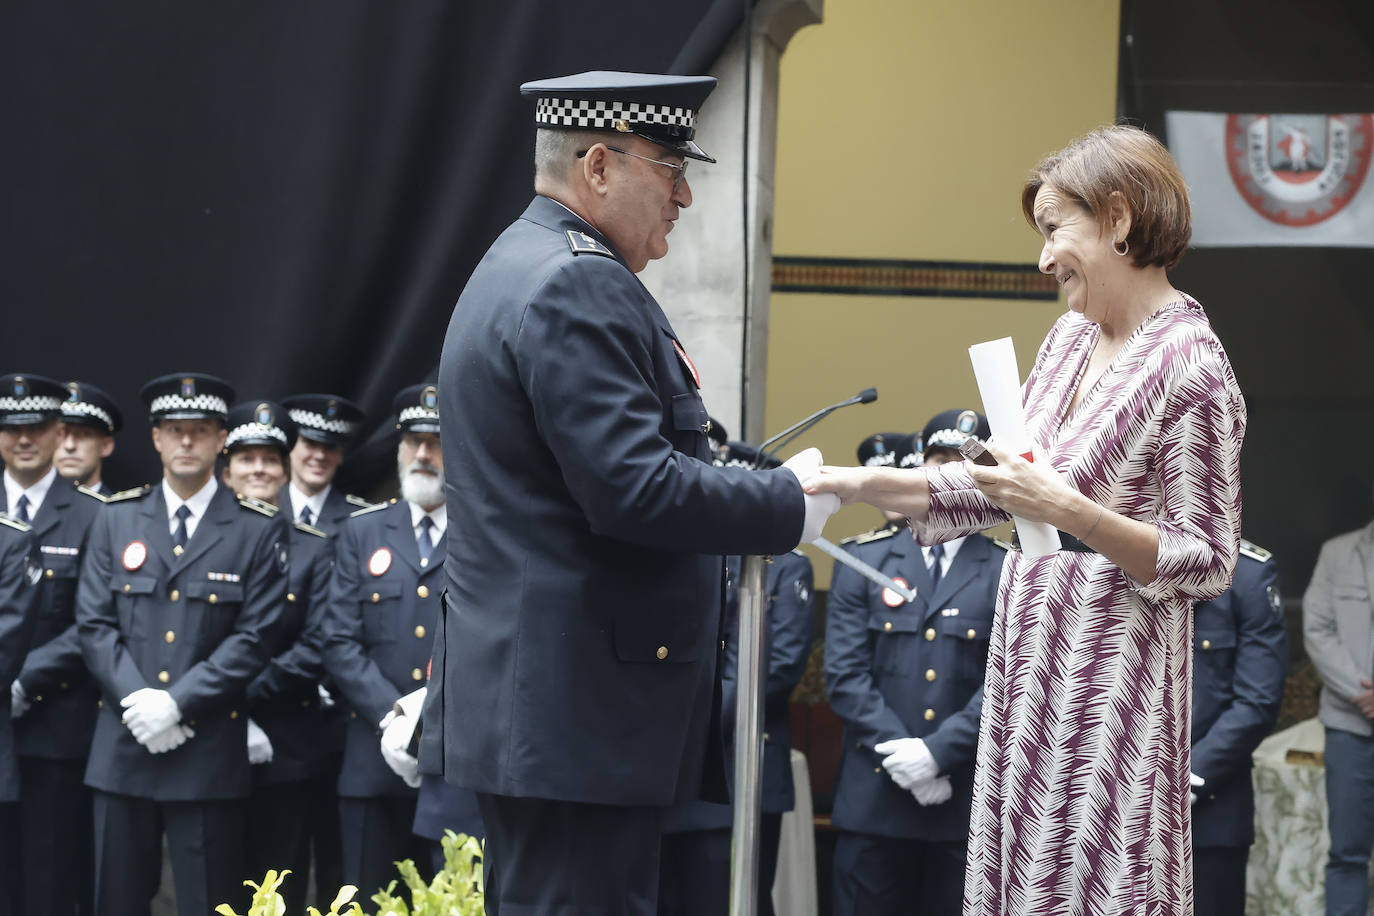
pixel 287 195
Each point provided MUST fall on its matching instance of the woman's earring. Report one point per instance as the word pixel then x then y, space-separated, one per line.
pixel 1124 249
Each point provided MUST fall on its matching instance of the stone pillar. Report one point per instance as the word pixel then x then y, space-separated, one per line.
pixel 701 283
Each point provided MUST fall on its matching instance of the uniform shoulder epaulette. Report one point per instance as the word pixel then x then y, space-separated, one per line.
pixel 257 505
pixel 582 243
pixel 309 529
pixel 1255 552
pixel 15 523
pixel 358 501
pixel 1005 545
pixel 796 552
pixel 131 493
pixel 373 508
pixel 868 537
pixel 93 494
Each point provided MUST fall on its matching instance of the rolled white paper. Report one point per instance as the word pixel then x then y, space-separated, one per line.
pixel 999 383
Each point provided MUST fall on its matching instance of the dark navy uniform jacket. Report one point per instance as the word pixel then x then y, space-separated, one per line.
pixel 1240 662
pixel 200 626
pixel 383 607
pixel 896 670
pixel 338 506
pixel 284 699
pixel 59 724
pixel 20 569
pixel 585 584
pixel 787 641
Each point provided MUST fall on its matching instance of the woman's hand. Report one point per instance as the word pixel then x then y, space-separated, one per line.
pixel 1030 490
pixel 849 484
pixel 900 490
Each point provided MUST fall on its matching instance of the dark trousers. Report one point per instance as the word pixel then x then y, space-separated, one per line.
pixel 9 859
pixel 883 876
pixel 323 820
pixel 694 870
pixel 1219 880
pixel 204 840
pixel 1350 806
pixel 279 837
pixel 376 835
pixel 56 853
pixel 569 858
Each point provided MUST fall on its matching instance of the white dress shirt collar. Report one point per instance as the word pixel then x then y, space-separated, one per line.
pixel 36 493
pixel 198 503
pixel 299 500
pixel 439 517
pixel 951 548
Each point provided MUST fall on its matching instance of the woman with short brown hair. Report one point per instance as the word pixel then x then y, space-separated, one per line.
pixel 1081 792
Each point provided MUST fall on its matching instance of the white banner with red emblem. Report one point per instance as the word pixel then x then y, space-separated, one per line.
pixel 1277 179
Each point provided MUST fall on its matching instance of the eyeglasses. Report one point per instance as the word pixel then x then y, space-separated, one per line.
pixel 679 170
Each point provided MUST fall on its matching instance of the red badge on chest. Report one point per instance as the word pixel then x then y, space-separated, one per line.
pixel 379 562
pixel 891 598
pixel 134 555
pixel 687 361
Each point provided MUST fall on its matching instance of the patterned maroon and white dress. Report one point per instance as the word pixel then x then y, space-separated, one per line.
pixel 1081 793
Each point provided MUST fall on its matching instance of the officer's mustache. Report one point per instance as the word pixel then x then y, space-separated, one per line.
pixel 423 467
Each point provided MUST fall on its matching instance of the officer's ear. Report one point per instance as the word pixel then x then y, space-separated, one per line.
pixel 595 164
pixel 107 447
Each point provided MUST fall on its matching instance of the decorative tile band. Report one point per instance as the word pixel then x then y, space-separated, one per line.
pixel 946 279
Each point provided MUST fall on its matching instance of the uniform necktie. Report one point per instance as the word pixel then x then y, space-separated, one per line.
pixel 306 517
pixel 21 509
pixel 180 536
pixel 937 553
pixel 425 542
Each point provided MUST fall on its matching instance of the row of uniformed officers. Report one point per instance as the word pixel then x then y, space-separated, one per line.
pixel 216 656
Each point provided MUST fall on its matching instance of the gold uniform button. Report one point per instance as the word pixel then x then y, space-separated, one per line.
pixel 233 713
pixel 662 652
pixel 49 574
pixel 175 595
pixel 930 714
pixel 972 634
pixel 877 769
pixel 99 704
pixel 163 676
pixel 127 588
pixel 213 599
pixel 305 703
pixel 170 636
pixel 888 626
pixel 423 591
pixel 178 550
pixel 930 674
pixel 1206 644
pixel 419 632
pixel 63 685
pixel 930 634
pixel 353 715
pixel 291 597
pixel 417 675
pixel 376 596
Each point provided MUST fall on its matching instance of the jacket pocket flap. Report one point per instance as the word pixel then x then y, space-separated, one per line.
pixel 1214 639
pixel 906 622
pixel 643 641
pixel 133 585
pixel 215 592
pixel 373 592
pixel 967 628
pixel 689 413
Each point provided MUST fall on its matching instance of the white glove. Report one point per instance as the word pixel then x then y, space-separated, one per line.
pixel 804 465
pixel 259 745
pixel 1195 782
pixel 19 700
pixel 169 740
pixel 933 791
pixel 149 712
pixel 398 727
pixel 326 698
pixel 908 761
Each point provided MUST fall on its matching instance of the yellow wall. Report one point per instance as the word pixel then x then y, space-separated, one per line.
pixel 905 130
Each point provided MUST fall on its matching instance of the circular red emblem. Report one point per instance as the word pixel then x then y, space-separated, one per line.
pixel 379 562
pixel 135 555
pixel 891 598
pixel 1298 169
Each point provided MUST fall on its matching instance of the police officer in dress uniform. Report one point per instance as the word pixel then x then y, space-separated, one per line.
pixel 694 879
pixel 1240 663
pixel 583 611
pixel 384 605
pixel 90 419
pixel 53 698
pixel 325 425
pixel 907 678
pixel 179 606
pixel 286 725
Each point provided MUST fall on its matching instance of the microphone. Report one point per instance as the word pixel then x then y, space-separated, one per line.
pixel 867 396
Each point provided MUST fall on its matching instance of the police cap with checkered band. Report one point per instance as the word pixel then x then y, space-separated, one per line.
pixel 660 108
pixel 417 409
pixel 324 418
pixel 952 428
pixel 27 399
pixel 888 450
pixel 260 423
pixel 87 405
pixel 187 396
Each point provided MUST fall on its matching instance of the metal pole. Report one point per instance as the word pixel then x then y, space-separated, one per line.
pixel 744 853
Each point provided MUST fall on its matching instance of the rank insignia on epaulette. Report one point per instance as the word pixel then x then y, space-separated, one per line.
pixel 1005 545
pixel 14 523
pixel 868 537
pixel 257 505
pixel 582 243
pixel 371 508
pixel 93 494
pixel 302 526
pixel 131 493
pixel 1255 552
pixel 357 500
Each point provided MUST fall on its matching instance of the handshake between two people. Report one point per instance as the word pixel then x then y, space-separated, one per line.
pixel 805 466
